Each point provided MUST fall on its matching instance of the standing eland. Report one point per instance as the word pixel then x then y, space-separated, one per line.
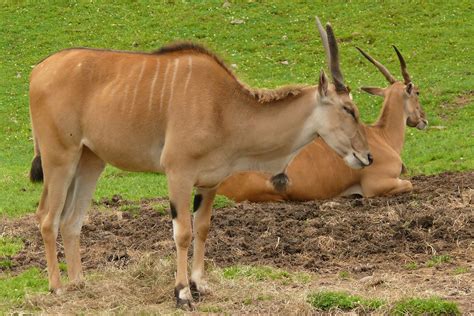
pixel 179 111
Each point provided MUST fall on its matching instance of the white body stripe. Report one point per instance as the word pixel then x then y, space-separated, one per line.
pixel 140 76
pixel 190 66
pixel 153 82
pixel 123 106
pixel 164 84
pixel 176 64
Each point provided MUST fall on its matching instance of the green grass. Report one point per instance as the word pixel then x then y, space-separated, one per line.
pixel 345 275
pixel 210 309
pixel 63 266
pixel 131 208
pixel 272 32
pixel 327 300
pixel 264 273
pixel 258 298
pixel 430 306
pixel 221 201
pixel 461 270
pixel 13 289
pixel 258 273
pixel 438 260
pixel 9 246
pixel 161 207
pixel 411 266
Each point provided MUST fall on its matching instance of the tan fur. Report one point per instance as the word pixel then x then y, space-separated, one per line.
pixel 261 95
pixel 180 111
pixel 317 173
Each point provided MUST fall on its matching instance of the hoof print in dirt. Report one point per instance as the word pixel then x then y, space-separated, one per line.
pixel 115 200
pixel 424 222
pixel 119 258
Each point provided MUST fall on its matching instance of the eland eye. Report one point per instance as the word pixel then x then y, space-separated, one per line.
pixel 350 111
pixel 417 93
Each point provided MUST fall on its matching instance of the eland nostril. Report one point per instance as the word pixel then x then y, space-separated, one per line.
pixel 370 158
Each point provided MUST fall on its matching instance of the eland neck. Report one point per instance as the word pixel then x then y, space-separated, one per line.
pixel 277 130
pixel 392 120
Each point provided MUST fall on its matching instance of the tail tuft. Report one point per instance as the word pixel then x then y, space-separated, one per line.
pixel 36 172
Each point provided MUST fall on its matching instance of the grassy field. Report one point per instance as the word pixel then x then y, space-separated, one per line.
pixel 435 38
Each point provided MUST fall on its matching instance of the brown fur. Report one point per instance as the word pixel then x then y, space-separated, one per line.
pixel 179 111
pixel 261 95
pixel 317 173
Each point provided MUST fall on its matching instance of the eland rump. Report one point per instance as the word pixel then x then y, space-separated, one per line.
pixel 180 111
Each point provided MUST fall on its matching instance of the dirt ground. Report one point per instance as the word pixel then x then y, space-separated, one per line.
pixel 363 237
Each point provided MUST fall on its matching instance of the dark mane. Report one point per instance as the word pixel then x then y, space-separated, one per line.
pixel 261 95
pixel 182 46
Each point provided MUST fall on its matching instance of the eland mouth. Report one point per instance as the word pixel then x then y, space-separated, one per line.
pixel 423 124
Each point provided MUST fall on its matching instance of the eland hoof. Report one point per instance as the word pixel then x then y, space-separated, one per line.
pixel 199 289
pixel 186 305
pixel 57 291
pixel 184 299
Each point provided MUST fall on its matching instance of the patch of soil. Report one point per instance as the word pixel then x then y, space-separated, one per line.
pixel 462 100
pixel 357 235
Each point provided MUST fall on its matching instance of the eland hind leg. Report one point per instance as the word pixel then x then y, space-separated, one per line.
pixel 202 209
pixel 59 170
pixel 78 201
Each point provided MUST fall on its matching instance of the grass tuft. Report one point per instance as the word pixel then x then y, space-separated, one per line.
pixel 161 208
pixel 430 306
pixel 9 246
pixel 265 273
pixel 260 273
pixel 411 266
pixel 461 270
pixel 327 300
pixel 210 309
pixel 63 266
pixel 345 275
pixel 130 208
pixel 221 201
pixel 6 264
pixel 438 260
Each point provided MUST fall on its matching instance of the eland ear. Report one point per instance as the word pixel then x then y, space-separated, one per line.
pixel 409 88
pixel 374 91
pixel 323 84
